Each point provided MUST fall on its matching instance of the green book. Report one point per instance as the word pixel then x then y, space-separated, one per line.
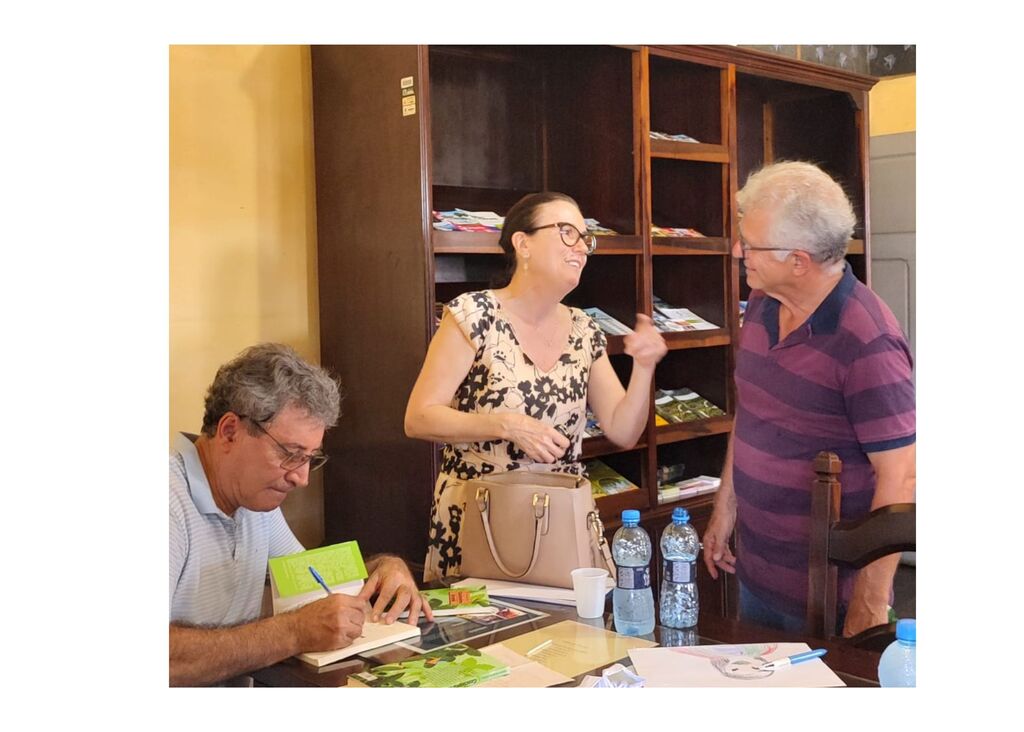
pixel 455 665
pixel 340 565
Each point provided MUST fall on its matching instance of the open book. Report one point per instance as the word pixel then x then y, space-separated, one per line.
pixel 342 569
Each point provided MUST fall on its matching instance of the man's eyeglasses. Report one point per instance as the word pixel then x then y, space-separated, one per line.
pixel 570 235
pixel 746 247
pixel 292 460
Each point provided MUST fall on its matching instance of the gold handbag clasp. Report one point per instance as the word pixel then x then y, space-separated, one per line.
pixel 483 498
pixel 539 507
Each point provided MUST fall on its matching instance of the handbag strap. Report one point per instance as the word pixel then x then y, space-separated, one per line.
pixel 540 509
pixel 598 543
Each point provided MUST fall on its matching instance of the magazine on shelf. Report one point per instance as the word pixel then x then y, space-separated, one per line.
pixel 680 318
pixel 606 482
pixel 688 488
pixel 607 323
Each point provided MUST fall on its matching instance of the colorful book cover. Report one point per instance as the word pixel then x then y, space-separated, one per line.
pixel 452 666
pixel 606 482
pixel 457 598
pixel 338 564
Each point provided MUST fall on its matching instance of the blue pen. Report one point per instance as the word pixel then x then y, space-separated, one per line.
pixel 792 660
pixel 319 579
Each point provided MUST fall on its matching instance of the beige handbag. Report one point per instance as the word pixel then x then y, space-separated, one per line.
pixel 528 527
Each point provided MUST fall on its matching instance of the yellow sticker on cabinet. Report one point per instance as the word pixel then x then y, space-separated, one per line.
pixel 406 82
pixel 408 106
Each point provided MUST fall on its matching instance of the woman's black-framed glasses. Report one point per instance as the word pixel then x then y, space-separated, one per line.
pixel 570 235
pixel 292 460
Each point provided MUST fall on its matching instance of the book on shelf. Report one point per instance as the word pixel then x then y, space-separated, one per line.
pixel 342 568
pixel 675 231
pixel 688 488
pixel 607 323
pixel 678 137
pixel 606 482
pixel 461 220
pixel 672 318
pixel 594 227
pixel 593 427
pixel 683 405
pixel 452 666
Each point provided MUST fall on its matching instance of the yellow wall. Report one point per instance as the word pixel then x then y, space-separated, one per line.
pixel 242 223
pixel 892 106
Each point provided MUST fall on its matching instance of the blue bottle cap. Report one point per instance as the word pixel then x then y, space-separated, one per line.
pixel 631 515
pixel 906 630
pixel 680 515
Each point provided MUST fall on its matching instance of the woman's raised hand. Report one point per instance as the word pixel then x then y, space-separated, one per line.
pixel 645 344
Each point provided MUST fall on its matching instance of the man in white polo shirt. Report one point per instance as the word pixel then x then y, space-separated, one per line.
pixel 266 413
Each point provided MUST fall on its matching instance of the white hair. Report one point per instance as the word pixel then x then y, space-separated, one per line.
pixel 812 212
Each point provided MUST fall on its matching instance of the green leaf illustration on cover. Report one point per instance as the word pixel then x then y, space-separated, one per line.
pixel 456 665
pixel 453 598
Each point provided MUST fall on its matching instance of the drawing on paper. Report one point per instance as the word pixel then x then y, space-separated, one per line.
pixel 736 662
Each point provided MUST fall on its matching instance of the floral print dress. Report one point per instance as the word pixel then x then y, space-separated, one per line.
pixel 503 379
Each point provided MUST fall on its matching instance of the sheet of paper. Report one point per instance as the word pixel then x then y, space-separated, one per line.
pixel 338 564
pixel 524 673
pixel 537 593
pixel 730 666
pixel 575 648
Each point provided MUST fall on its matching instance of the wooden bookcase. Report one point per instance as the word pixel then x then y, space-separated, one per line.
pixel 488 124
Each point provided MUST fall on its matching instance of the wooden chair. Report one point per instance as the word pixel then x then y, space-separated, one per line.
pixel 854 544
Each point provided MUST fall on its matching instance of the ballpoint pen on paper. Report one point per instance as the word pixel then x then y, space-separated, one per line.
pixel 539 648
pixel 781 663
pixel 319 579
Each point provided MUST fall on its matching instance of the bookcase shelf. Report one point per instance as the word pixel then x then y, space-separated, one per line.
pixel 680 245
pixel 493 123
pixel 693 430
pixel 692 151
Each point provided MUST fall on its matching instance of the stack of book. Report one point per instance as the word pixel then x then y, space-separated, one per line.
pixel 606 482
pixel 687 488
pixel 594 227
pixel 607 323
pixel 674 231
pixel 682 405
pixel 680 137
pixel 461 220
pixel 670 318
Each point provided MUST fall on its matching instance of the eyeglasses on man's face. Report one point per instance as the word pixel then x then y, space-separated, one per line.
pixel 291 459
pixel 746 246
pixel 570 235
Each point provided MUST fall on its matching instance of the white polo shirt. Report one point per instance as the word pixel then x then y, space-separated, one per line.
pixel 218 563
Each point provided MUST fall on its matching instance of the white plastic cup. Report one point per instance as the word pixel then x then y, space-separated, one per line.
pixel 589 587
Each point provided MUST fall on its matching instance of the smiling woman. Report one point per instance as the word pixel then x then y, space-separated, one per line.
pixel 509 373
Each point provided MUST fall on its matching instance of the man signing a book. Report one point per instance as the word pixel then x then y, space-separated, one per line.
pixel 264 422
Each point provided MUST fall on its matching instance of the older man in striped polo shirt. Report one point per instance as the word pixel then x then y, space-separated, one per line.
pixel 266 413
pixel 822 364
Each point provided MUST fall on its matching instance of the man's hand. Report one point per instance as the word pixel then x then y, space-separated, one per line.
pixel 391 578
pixel 716 541
pixel 330 623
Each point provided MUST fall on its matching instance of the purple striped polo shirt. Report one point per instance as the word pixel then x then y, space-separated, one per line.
pixel 842 381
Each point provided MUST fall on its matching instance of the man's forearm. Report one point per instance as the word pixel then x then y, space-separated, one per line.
pixel 200 656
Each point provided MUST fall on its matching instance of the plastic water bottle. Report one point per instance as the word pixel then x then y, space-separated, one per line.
pixel 898 665
pixel 678 604
pixel 632 599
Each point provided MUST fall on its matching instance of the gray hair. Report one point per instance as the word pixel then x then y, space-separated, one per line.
pixel 812 211
pixel 262 380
